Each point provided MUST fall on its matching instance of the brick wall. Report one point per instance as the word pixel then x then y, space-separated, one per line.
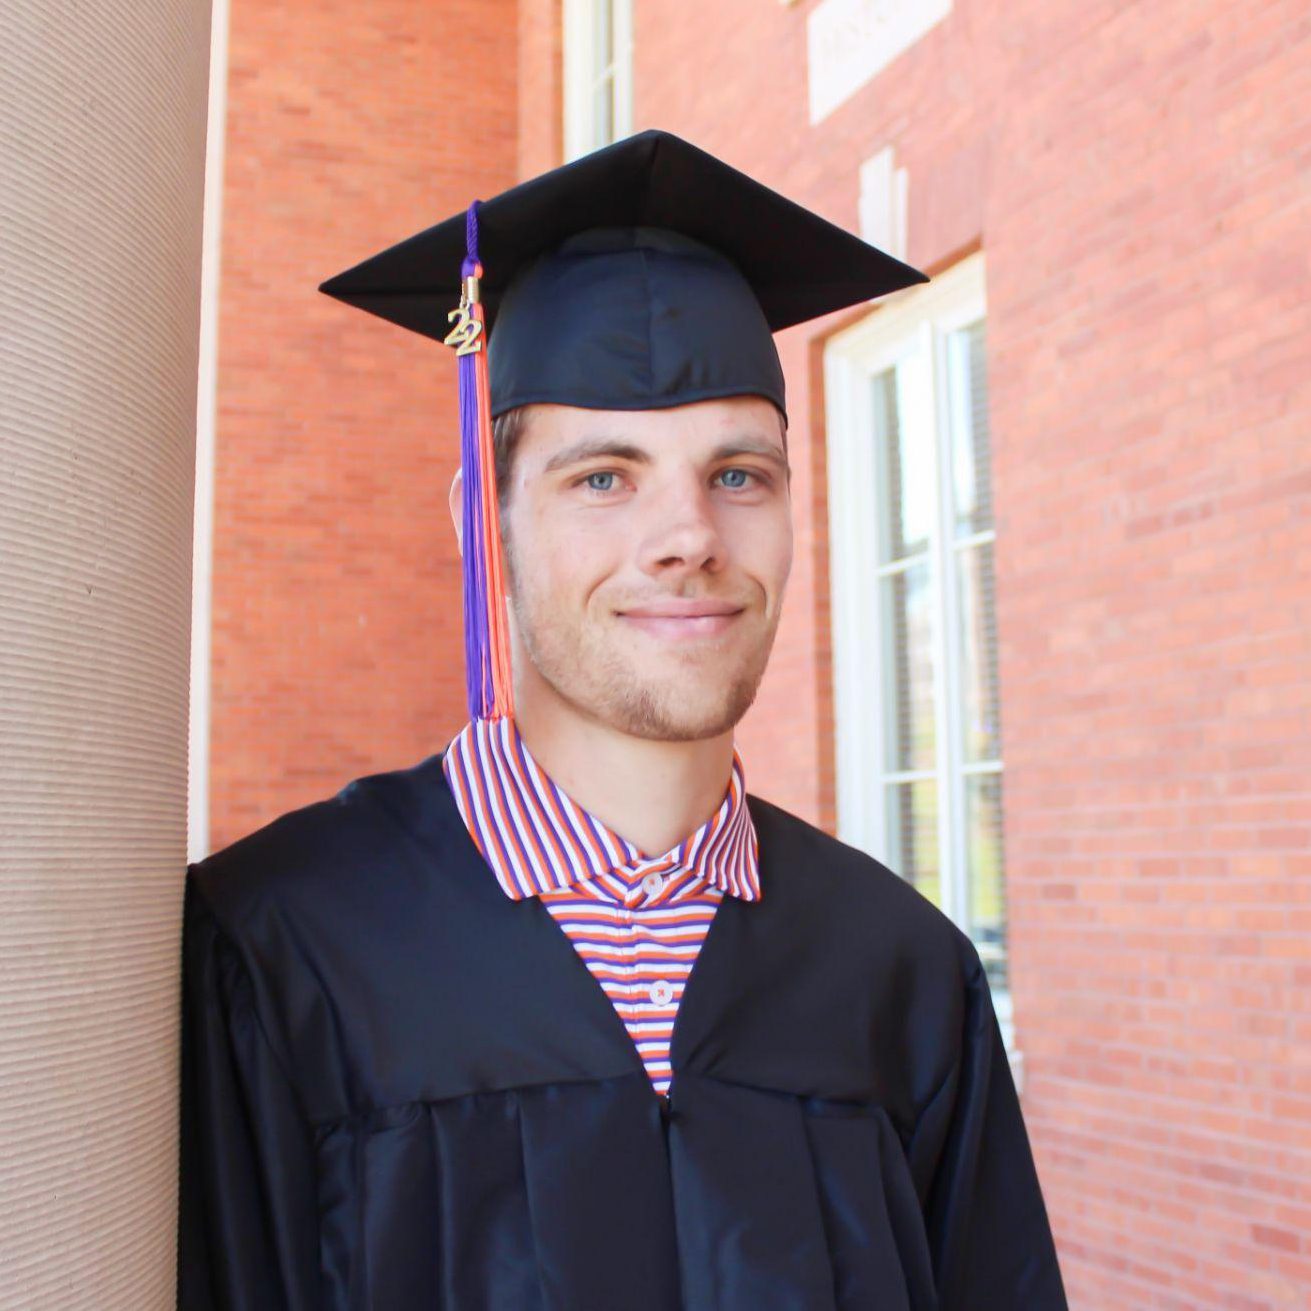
pixel 337 641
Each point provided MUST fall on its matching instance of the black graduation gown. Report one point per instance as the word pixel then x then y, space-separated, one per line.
pixel 403 1091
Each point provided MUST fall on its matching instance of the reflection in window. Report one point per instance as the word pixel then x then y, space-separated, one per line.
pixel 913 824
pixel 978 764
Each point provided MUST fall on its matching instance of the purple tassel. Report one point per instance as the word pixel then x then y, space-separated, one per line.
pixel 486 653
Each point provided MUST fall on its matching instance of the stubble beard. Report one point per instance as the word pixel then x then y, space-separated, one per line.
pixel 593 677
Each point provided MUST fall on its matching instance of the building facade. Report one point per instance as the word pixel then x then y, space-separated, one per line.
pixel 1047 644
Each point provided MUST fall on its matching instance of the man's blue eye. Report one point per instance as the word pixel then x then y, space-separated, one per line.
pixel 746 475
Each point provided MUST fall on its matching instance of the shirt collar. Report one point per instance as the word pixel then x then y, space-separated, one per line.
pixel 537 839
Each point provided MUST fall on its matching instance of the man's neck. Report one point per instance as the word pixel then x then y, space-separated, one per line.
pixel 652 793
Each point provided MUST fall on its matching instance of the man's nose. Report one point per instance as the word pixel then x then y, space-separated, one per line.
pixel 683 528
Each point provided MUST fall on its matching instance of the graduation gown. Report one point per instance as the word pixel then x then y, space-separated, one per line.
pixel 403 1091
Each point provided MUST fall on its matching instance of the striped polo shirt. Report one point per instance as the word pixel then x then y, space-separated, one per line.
pixel 637 921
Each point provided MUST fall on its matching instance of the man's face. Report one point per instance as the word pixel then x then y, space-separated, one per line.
pixel 648 552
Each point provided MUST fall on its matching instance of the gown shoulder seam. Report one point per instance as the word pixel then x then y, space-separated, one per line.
pixel 969 984
pixel 228 943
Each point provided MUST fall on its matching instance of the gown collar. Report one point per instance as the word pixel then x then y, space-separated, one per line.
pixel 536 838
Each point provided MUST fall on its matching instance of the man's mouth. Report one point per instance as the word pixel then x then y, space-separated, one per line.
pixel 682 620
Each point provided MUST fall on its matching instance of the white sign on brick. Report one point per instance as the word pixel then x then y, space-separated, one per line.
pixel 848 41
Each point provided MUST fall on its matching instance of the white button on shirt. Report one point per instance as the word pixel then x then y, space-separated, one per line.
pixel 653 882
pixel 661 992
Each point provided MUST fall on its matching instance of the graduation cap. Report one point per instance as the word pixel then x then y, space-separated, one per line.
pixel 646 274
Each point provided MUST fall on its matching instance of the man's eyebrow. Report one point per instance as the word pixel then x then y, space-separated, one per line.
pixel 590 447
pixel 745 446
pixel 593 447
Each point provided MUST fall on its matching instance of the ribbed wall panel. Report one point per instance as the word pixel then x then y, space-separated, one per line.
pixel 102 146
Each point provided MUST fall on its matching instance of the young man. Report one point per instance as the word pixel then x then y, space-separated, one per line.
pixel 562 1018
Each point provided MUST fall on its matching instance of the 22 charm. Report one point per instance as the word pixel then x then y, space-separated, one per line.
pixel 466 336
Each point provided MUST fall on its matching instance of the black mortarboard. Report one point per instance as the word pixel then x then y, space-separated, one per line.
pixel 646 274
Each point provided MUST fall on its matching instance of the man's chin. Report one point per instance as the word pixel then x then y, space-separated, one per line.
pixel 675 715
pixel 666 730
pixel 646 696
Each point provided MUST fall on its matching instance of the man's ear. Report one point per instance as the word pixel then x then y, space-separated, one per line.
pixel 456 501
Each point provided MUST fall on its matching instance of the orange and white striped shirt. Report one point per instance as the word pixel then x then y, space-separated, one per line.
pixel 637 921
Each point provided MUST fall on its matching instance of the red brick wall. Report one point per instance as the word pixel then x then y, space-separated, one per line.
pixel 1149 293
pixel 1138 179
pixel 541 95
pixel 337 641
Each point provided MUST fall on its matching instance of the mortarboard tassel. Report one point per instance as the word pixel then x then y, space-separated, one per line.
pixel 486 629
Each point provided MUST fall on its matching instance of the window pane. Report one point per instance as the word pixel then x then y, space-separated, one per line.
pixel 908 658
pixel 603 99
pixel 984 852
pixel 971 453
pixel 603 34
pixel 913 831
pixel 906 473
pixel 977 649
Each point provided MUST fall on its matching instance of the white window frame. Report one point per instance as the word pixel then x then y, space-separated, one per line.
pixel 913 322
pixel 202 541
pixel 582 73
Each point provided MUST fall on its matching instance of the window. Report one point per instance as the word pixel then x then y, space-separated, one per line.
pixel 598 74
pixel 913 603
